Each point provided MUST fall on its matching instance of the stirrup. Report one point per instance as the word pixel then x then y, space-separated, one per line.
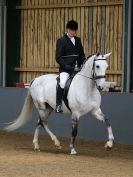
pixel 58 109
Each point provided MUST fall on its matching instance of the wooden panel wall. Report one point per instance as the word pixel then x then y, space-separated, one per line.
pixel 43 21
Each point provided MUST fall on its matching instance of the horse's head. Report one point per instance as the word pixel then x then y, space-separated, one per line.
pixel 99 69
pixel 95 68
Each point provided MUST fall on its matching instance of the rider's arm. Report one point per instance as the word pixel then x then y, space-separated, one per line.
pixel 59 53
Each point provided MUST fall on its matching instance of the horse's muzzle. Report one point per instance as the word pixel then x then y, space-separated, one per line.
pixel 99 88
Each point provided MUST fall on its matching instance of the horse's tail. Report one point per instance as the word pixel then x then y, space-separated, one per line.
pixel 24 116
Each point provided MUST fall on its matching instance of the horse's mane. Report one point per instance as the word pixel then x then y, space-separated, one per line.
pixel 87 59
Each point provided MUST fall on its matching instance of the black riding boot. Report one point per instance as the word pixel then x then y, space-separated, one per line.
pixel 59 95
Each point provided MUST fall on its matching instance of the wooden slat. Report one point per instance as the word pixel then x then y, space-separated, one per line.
pixel 115 45
pixel 50 34
pixel 111 40
pixel 40 63
pixel 43 34
pixel 54 34
pixel 66 14
pixel 103 27
pixel 120 27
pixel 47 36
pixel 25 44
pixel 82 25
pixel 107 22
pixel 35 37
pixel 74 10
pixel 70 10
pixel 107 35
pixel 89 4
pixel 52 37
pixel 29 39
pixel 86 26
pixel 98 26
pixel 22 42
pixel 94 31
pixel 79 19
pixel 90 30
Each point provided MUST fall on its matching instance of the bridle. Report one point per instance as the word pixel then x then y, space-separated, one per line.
pixel 94 76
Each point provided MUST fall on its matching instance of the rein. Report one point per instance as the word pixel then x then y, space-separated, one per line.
pixel 85 76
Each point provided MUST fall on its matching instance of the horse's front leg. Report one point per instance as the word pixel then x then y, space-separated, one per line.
pixel 100 116
pixel 110 141
pixel 74 134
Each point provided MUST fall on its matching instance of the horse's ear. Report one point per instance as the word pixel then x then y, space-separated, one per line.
pixel 98 53
pixel 107 55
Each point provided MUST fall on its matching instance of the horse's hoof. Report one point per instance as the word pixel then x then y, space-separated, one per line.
pixel 108 148
pixel 58 147
pixel 37 149
pixel 73 152
pixel 109 145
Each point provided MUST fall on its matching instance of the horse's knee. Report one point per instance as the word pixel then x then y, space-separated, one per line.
pixel 107 122
pixel 97 114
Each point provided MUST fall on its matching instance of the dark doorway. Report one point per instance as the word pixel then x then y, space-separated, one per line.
pixel 13 42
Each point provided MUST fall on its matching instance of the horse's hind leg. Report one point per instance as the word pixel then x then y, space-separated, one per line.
pixel 35 140
pixel 75 119
pixel 53 137
pixel 44 112
pixel 100 116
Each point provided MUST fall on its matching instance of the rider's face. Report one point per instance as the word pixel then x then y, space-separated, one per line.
pixel 71 32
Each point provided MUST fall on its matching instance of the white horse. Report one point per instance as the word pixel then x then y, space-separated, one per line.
pixel 83 97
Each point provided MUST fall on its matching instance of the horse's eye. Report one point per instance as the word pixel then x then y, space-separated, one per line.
pixel 97 66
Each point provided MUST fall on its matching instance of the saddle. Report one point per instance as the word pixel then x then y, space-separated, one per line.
pixel 66 88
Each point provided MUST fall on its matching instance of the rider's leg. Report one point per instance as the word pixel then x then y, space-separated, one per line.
pixel 59 93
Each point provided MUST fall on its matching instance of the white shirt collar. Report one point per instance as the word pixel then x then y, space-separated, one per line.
pixel 69 36
pixel 72 39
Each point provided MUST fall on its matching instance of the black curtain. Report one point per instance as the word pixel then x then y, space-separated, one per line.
pixel 12 42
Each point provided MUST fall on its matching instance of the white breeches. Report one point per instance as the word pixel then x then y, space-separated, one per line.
pixel 63 78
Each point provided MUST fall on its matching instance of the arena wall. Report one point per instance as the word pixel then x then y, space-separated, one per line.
pixel 117 106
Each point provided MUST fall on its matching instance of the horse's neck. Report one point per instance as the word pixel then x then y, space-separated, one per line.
pixel 87 68
pixel 85 75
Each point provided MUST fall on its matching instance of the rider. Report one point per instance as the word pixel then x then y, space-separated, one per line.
pixel 69 52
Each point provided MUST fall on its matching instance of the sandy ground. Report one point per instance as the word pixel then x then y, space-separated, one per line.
pixel 18 159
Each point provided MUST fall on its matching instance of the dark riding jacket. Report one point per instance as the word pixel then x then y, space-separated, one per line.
pixel 67 54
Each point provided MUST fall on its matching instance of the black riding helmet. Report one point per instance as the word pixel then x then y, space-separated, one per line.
pixel 72 24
